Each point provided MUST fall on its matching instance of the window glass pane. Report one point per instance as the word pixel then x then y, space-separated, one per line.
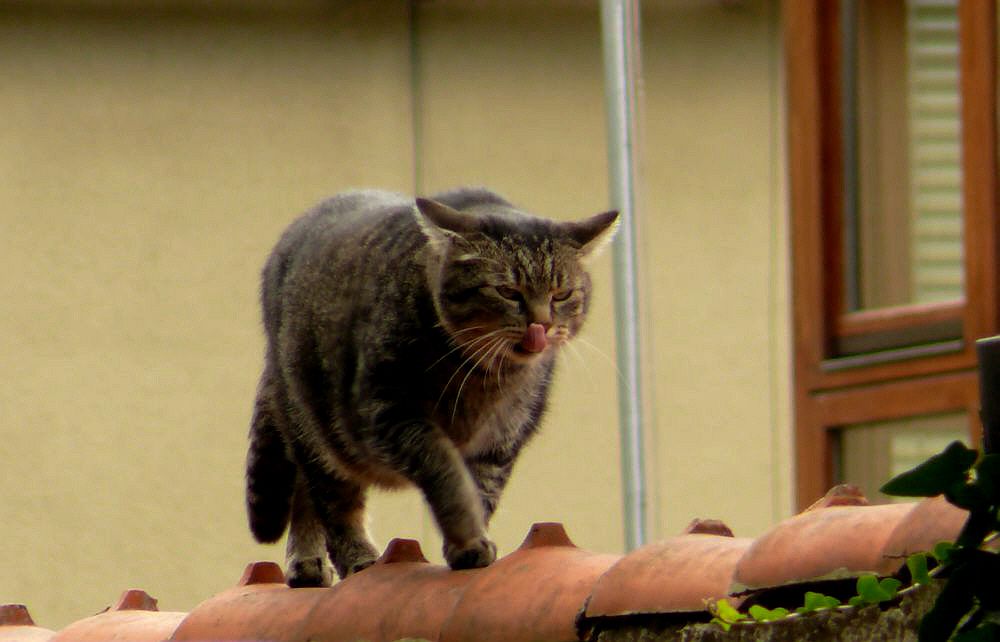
pixel 870 454
pixel 903 178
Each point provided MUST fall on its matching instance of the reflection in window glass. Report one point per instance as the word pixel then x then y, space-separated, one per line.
pixel 870 454
pixel 903 232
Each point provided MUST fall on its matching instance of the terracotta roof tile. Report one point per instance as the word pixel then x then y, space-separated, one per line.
pixel 404 595
pixel 819 544
pixel 670 576
pixel 261 607
pixel 840 495
pixel 16 625
pixel 134 617
pixel 548 589
pixel 930 521
pixel 545 582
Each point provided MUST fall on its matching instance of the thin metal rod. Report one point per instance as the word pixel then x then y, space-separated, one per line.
pixel 620 29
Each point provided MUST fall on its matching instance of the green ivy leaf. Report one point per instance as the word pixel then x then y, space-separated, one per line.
pixel 762 614
pixel 816 602
pixel 917 564
pixel 890 586
pixel 727 613
pixel 942 552
pixel 936 475
pixel 873 591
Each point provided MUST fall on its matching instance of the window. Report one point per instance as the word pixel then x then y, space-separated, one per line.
pixel 892 142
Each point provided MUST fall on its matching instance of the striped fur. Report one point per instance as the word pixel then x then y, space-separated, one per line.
pixel 399 352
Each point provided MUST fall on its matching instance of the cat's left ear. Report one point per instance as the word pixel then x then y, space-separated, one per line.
pixel 440 223
pixel 594 233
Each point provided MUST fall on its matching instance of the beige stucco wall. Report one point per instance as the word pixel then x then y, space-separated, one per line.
pixel 149 159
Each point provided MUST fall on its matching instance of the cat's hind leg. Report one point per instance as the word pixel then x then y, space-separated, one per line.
pixel 306 547
pixel 340 508
pixel 327 520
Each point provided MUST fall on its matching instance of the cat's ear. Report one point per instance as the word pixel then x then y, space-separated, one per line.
pixel 440 222
pixel 593 233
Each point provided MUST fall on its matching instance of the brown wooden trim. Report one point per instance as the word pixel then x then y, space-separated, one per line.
pixel 800 19
pixel 978 56
pixel 897 317
pixel 897 399
pixel 813 452
pixel 837 378
pixel 832 250
pixel 821 414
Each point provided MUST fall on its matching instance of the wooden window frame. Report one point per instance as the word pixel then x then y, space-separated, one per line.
pixel 828 392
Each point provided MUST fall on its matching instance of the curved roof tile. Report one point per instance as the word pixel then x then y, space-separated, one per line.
pixel 260 607
pixel 134 618
pixel 931 521
pixel 401 596
pixel 16 625
pixel 819 544
pixel 674 575
pixel 534 593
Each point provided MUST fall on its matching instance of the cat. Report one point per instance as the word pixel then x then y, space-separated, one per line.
pixel 409 341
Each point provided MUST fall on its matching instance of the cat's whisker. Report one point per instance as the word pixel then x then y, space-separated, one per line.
pixel 504 357
pixel 483 356
pixel 485 341
pixel 583 363
pixel 496 361
pixel 458 345
pixel 600 353
pixel 471 328
pixel 444 388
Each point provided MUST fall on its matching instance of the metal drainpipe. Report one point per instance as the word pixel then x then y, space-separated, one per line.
pixel 620 29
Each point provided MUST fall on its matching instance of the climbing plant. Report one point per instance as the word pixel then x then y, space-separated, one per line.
pixel 968 607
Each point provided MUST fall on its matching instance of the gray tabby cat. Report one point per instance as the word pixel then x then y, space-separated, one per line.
pixel 407 343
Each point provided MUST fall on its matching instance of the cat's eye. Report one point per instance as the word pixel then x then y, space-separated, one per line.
pixel 561 295
pixel 507 292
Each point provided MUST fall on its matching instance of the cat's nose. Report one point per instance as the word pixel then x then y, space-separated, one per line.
pixel 542 315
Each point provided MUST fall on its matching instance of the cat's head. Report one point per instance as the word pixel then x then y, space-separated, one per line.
pixel 509 287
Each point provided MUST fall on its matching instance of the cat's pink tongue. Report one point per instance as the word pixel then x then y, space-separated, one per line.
pixel 534 339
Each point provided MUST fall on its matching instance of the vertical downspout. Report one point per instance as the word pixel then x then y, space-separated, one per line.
pixel 620 29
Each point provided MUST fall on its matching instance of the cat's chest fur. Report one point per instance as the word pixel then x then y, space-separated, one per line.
pixel 431 379
pixel 489 411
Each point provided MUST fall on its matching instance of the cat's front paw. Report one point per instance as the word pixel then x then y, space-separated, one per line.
pixel 355 566
pixel 476 553
pixel 313 571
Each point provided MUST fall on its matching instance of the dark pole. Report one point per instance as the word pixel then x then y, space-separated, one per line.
pixel 988 351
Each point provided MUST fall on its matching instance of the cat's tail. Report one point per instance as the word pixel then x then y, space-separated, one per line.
pixel 270 474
